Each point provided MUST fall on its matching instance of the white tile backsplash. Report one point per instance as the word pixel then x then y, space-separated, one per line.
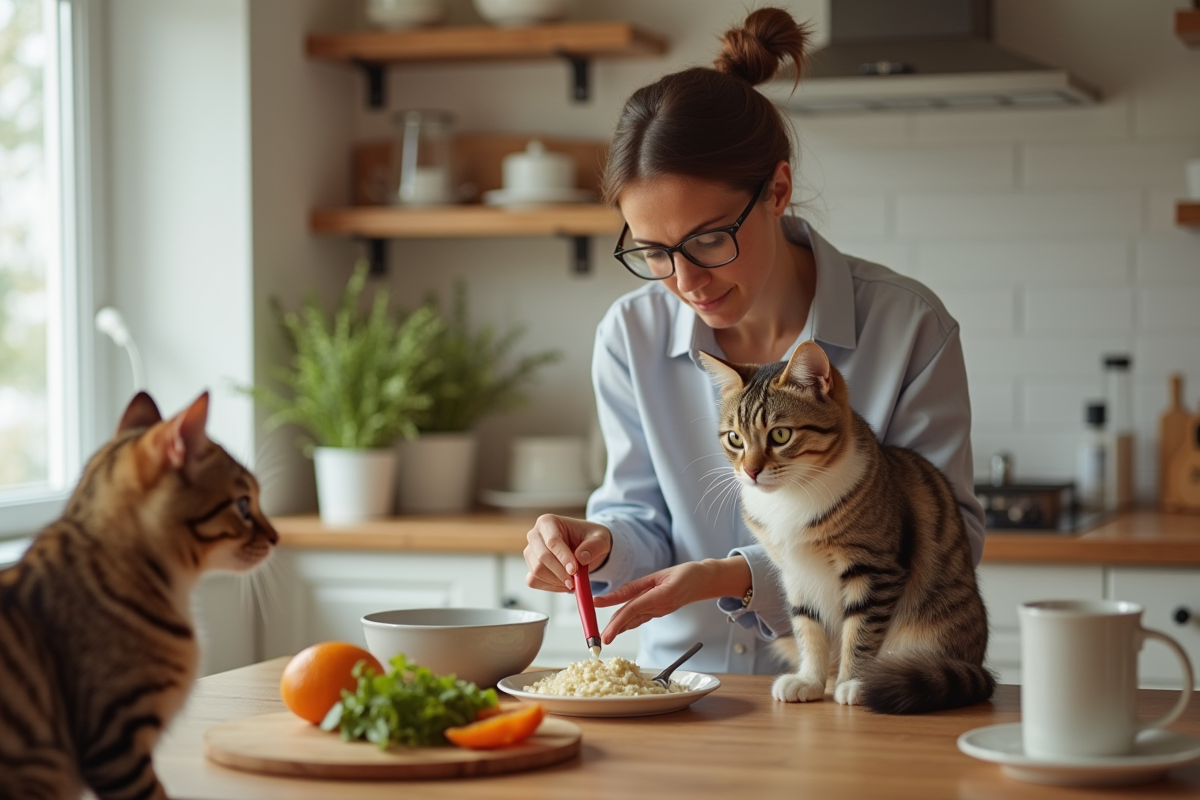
pixel 1052 309
pixel 1020 214
pixel 1069 261
pixel 1174 309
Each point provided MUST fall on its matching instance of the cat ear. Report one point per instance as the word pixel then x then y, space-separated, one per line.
pixel 722 373
pixel 808 366
pixel 185 432
pixel 140 413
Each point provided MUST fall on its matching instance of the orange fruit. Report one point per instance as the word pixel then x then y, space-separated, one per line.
pixel 313 680
pixel 499 730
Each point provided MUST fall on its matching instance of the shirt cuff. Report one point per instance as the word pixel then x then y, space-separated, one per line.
pixel 766 610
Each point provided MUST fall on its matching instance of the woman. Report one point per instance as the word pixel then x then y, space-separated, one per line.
pixel 700 168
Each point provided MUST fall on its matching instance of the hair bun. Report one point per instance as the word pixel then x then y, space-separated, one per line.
pixel 754 51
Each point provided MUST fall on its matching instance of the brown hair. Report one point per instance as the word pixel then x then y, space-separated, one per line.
pixel 710 123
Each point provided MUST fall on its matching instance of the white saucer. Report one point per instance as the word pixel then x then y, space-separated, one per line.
pixel 535 500
pixel 1154 752
pixel 517 199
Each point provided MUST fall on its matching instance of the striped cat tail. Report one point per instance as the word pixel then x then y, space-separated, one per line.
pixel 918 684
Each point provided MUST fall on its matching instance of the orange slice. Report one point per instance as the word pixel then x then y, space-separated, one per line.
pixel 499 730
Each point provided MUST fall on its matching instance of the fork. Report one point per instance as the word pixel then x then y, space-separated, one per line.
pixel 664 678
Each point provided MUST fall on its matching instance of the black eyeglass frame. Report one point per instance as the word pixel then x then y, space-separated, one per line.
pixel 619 254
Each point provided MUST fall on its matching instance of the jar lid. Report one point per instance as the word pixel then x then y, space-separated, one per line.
pixel 1117 362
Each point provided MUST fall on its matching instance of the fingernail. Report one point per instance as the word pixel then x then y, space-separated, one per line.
pixel 585 556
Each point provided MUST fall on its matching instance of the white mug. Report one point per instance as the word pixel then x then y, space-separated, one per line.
pixel 1079 678
pixel 543 464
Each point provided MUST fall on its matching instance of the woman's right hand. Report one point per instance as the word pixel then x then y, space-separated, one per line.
pixel 557 544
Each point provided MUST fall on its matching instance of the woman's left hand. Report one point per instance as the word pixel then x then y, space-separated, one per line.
pixel 670 589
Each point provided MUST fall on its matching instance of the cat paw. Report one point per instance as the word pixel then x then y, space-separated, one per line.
pixel 849 693
pixel 795 689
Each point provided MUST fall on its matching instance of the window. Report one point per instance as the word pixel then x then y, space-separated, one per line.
pixel 44 266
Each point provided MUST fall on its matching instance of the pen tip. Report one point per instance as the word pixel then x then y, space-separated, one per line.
pixel 596 650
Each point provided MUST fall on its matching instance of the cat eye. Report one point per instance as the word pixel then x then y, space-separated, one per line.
pixel 243 507
pixel 781 435
pixel 734 439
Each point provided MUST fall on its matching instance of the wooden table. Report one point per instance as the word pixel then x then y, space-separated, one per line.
pixel 735 743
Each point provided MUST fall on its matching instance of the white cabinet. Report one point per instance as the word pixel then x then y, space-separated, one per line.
pixel 564 640
pixel 322 595
pixel 1006 586
pixel 1164 593
pixel 223 612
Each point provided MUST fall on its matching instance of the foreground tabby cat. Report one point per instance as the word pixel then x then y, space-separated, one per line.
pixel 868 539
pixel 97 650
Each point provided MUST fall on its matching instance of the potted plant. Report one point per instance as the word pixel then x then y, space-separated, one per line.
pixel 437 467
pixel 355 383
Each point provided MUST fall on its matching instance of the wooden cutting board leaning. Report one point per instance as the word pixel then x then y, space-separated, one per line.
pixel 1172 431
pixel 283 744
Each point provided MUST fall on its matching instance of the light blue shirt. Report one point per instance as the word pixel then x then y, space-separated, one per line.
pixel 666 496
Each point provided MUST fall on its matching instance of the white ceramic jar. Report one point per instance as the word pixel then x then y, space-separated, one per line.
pixel 536 170
pixel 400 14
pixel 516 13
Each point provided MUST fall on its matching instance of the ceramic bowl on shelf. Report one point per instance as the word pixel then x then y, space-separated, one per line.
pixel 517 13
pixel 481 645
pixel 401 14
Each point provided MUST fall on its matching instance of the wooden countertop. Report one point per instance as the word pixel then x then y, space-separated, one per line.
pixel 737 742
pixel 1141 537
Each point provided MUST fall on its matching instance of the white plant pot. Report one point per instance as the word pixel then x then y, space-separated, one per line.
pixel 354 485
pixel 437 471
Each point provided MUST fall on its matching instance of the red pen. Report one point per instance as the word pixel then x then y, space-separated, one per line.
pixel 587 609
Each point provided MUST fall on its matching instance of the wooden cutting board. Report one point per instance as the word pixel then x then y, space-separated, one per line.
pixel 283 744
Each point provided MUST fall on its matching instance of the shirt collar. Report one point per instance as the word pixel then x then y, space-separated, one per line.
pixel 833 315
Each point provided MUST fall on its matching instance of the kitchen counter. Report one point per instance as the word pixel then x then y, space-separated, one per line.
pixel 735 742
pixel 1147 538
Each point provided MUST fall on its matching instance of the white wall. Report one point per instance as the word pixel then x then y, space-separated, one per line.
pixel 1049 234
pixel 179 192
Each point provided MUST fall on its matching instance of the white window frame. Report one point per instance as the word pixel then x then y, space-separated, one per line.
pixel 75 155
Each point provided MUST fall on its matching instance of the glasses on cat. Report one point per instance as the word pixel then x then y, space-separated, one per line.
pixel 707 249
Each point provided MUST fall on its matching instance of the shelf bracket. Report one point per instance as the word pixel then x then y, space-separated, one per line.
pixel 376 82
pixel 377 257
pixel 581 255
pixel 580 74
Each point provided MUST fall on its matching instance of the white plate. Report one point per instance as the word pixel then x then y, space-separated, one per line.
pixel 644 706
pixel 1154 752
pixel 511 198
pixel 535 500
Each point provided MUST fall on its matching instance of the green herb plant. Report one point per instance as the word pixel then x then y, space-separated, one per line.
pixel 355 378
pixel 407 706
pixel 473 380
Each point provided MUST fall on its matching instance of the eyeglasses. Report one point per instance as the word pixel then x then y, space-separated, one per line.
pixel 707 249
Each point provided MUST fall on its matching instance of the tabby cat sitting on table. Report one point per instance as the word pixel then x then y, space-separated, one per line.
pixel 868 540
pixel 97 648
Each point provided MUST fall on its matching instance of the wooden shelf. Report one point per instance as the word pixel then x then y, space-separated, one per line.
pixel 1187 212
pixel 576 39
pixel 478 532
pixel 389 222
pixel 1187 26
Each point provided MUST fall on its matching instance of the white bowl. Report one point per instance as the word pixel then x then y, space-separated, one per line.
pixel 399 14
pixel 514 13
pixel 481 645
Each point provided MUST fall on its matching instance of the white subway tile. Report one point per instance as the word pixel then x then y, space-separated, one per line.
pixel 1058 404
pixel 849 215
pixel 1168 260
pixel 1158 354
pixel 1055 356
pixel 1036 456
pixel 1125 164
pixel 989 310
pixel 993 405
pixel 1078 309
pixel 815 134
pixel 1174 309
pixel 1109 121
pixel 1090 261
pixel 915 166
pixel 1015 214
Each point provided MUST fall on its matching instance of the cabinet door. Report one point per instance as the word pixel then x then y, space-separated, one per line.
pixel 223 612
pixel 323 594
pixel 564 642
pixel 1006 586
pixel 1162 592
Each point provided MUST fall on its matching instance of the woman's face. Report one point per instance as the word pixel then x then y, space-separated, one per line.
pixel 665 210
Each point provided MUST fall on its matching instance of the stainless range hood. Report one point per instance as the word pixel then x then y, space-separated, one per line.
pixel 906 55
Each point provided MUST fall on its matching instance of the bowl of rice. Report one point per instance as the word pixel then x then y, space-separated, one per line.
pixel 616 687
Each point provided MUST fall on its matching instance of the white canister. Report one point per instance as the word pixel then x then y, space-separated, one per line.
pixel 542 464
pixel 536 169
